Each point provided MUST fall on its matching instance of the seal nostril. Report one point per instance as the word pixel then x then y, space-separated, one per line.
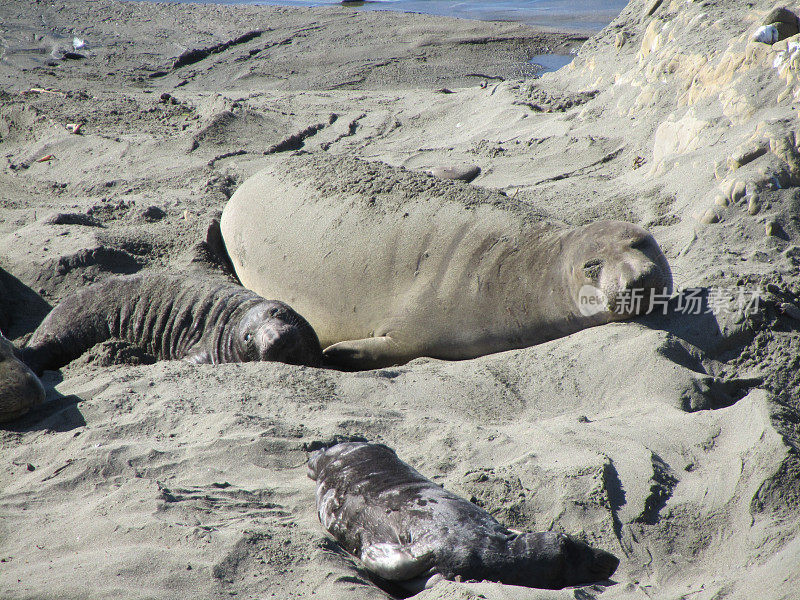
pixel 647 278
pixel 285 346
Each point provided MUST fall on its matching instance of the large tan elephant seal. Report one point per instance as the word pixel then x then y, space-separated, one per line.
pixel 388 265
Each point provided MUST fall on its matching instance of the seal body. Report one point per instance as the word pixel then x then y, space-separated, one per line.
pixel 388 265
pixel 173 317
pixel 404 527
pixel 20 389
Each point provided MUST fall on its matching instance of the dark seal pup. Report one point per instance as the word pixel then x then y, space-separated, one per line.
pixel 405 528
pixel 173 317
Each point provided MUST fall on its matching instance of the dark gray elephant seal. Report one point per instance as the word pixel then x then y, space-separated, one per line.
pixel 388 265
pixel 405 528
pixel 173 317
pixel 20 389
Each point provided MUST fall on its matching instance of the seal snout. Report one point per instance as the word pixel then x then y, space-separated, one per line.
pixel 636 287
pixel 274 332
pixel 618 270
pixel 276 337
pixel 647 278
pixel 314 463
pixel 286 342
pixel 644 278
pixel 585 564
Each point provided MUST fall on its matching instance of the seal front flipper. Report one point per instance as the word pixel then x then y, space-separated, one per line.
pixel 393 561
pixel 366 353
pixel 419 584
pixel 202 357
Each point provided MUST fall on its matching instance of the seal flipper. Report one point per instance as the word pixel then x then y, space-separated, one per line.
pixel 393 561
pixel 366 353
pixel 203 357
pixel 418 584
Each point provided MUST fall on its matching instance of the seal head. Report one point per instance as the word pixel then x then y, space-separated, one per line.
pixel 272 331
pixel 555 560
pixel 614 270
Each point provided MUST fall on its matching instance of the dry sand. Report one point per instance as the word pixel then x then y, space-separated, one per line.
pixel 671 441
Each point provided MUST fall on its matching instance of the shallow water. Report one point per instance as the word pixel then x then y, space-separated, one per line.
pixel 563 14
pixel 551 62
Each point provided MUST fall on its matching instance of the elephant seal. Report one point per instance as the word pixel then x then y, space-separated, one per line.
pixel 388 265
pixel 20 389
pixel 173 317
pixel 405 528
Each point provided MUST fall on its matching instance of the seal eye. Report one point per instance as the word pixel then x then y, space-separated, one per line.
pixel 248 337
pixel 592 268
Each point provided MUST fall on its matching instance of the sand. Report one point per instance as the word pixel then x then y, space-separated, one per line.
pixel 671 441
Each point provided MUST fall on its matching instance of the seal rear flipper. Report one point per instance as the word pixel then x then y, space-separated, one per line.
pixel 210 253
pixel 20 389
pixel 366 353
pixel 394 562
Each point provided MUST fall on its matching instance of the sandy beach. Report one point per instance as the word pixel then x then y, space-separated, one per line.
pixel 670 440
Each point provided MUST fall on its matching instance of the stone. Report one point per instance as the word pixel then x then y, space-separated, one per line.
pixel 790 310
pixel 710 217
pixel 460 172
pixel 766 34
pixel 153 213
pixel 653 7
pixel 780 15
pixel 678 137
pixel 748 154
pixel 738 191
pixel 772 228
pixel 753 205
